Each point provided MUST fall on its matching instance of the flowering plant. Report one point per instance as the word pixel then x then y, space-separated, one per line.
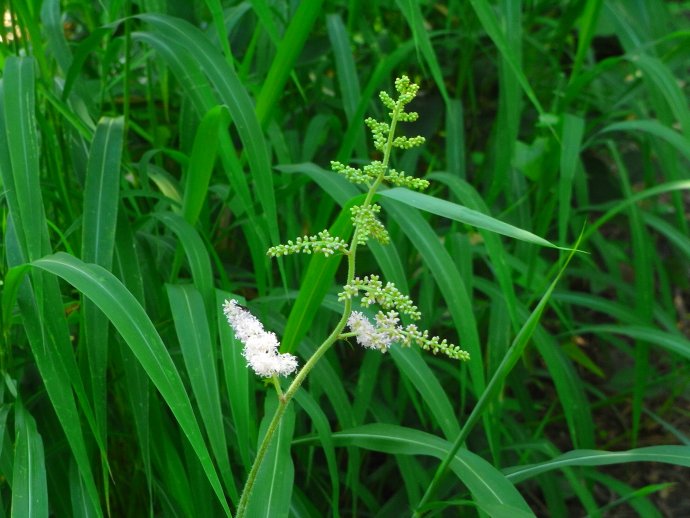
pixel 261 347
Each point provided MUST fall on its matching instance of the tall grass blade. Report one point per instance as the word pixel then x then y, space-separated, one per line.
pixel 665 89
pixel 494 247
pixel 657 129
pixel 288 50
pixel 513 355
pixel 101 199
pixel 201 162
pixel 680 185
pixel 448 280
pixel 179 41
pixel 455 139
pixel 423 379
pixel 194 336
pixel 571 141
pixel 323 429
pixel 273 489
pixel 510 103
pixel 29 485
pixel 642 264
pixel 216 9
pixel 127 266
pixel 413 14
pixel 197 257
pixel 492 26
pixel 588 25
pixel 348 79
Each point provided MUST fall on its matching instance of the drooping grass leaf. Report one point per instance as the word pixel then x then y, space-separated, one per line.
pixel 462 214
pixel 184 45
pixel 128 317
pixel 101 200
pixel 487 485
pixel 676 455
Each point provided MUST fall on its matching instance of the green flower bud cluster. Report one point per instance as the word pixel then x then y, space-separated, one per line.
pixel 400 179
pixel 365 175
pixel 411 334
pixel 407 91
pixel 374 170
pixel 379 131
pixel 408 142
pixel 352 174
pixel 367 224
pixel 403 116
pixel 388 296
pixel 323 242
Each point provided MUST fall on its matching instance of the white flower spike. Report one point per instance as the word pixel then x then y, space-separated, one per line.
pixel 379 336
pixel 260 346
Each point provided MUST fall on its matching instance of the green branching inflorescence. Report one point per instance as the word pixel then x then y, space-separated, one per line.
pixel 386 328
pixel 261 347
pixel 384 140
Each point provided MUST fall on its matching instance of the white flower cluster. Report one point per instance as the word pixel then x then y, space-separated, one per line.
pixel 387 330
pixel 379 336
pixel 260 346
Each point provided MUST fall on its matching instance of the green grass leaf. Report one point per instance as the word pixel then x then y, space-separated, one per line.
pixel 462 214
pixel 282 65
pixel 273 488
pixel 201 162
pixel 101 200
pixel 189 50
pixel 29 486
pixel 193 333
pixel 676 455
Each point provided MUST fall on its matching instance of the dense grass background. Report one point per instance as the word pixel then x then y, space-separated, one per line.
pixel 150 153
